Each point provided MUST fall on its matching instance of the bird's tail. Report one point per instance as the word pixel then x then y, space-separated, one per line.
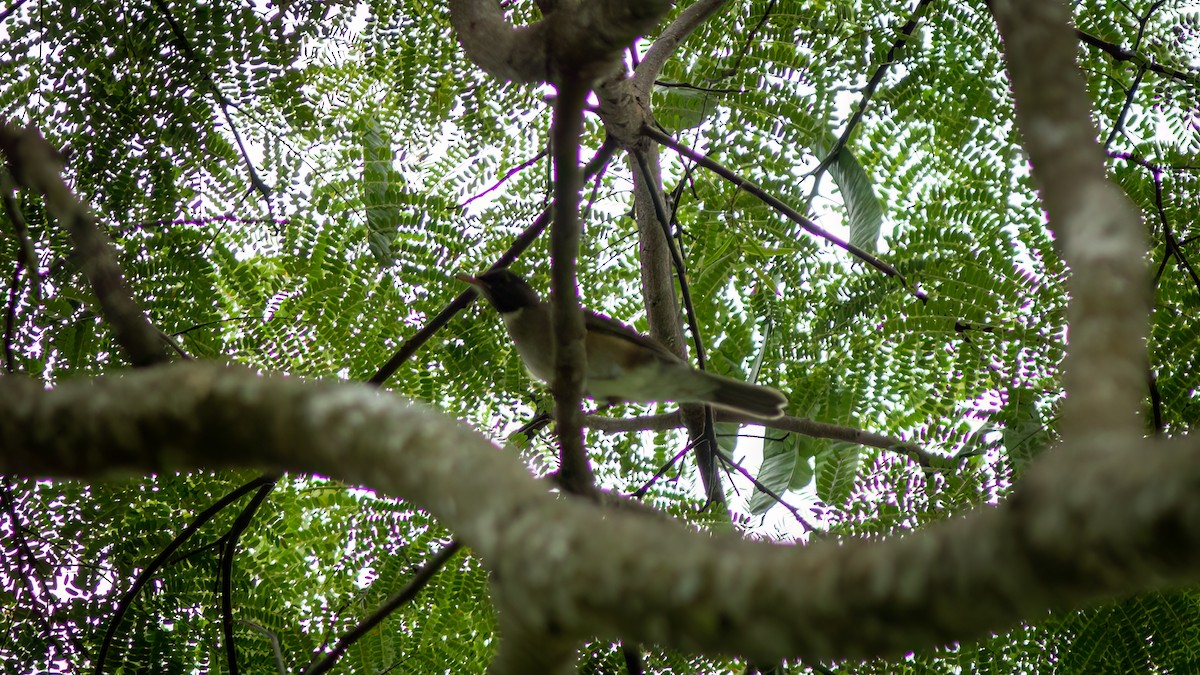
pixel 751 399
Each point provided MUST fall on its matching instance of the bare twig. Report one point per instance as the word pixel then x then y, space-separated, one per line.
pixel 462 300
pixel 769 492
pixel 799 425
pixel 775 203
pixel 161 559
pixel 507 175
pixel 905 35
pixel 228 553
pixel 1119 53
pixel 419 580
pixel 255 180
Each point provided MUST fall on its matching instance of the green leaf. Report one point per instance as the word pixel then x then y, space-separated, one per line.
pixel 864 214
pixel 382 186
pixel 779 461
pixel 837 469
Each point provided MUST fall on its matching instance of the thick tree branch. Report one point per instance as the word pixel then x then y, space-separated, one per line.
pixel 1094 521
pixel 36 166
pixel 586 38
pixel 1099 230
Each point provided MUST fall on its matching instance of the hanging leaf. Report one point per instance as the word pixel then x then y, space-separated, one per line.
pixel 779 461
pixel 837 469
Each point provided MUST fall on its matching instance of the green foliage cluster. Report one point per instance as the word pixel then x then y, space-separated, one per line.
pixel 290 187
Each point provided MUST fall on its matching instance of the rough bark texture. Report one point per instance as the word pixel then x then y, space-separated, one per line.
pixel 1098 229
pixel 587 37
pixel 1086 523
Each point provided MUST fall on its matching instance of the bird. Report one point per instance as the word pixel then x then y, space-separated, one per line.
pixel 622 364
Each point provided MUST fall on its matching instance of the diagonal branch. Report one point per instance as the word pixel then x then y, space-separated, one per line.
pixel 419 580
pixel 35 164
pixel 905 35
pixel 1121 54
pixel 775 203
pixel 463 300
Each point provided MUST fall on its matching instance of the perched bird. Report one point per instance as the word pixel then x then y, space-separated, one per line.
pixel 622 364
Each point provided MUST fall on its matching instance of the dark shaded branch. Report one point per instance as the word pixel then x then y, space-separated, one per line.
pixel 507 175
pixel 799 425
pixel 906 32
pixel 463 300
pixel 228 554
pixel 420 580
pixel 1119 53
pixel 36 166
pixel 706 448
pixel 255 180
pixel 570 359
pixel 163 556
pixel 1171 243
pixel 27 566
pixel 775 203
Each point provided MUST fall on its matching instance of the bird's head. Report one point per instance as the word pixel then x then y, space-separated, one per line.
pixel 505 290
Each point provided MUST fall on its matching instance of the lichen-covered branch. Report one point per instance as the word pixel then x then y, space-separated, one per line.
pixel 1086 523
pixel 585 38
pixel 1099 231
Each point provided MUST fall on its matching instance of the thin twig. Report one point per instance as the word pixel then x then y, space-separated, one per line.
pixel 1119 53
pixel 464 299
pixel 420 579
pixel 784 209
pixel 799 425
pixel 507 175
pixel 228 553
pixel 163 556
pixel 769 492
pixel 906 32
pixel 255 181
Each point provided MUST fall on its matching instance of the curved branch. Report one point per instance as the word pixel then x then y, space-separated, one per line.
pixel 587 38
pixel 667 43
pixel 1104 518
pixel 1098 229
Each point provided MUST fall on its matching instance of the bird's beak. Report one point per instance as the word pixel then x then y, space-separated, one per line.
pixel 474 281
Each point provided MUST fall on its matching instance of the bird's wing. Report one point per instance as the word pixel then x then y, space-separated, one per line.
pixel 602 325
